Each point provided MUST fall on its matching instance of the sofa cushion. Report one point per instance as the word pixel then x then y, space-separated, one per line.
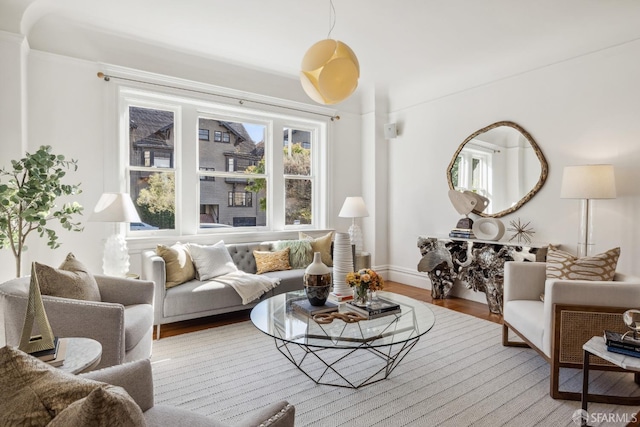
pixel 563 265
pixel 527 317
pixel 33 392
pixel 272 261
pixel 196 296
pixel 178 264
pixel 71 280
pixel 320 244
pixel 211 260
pixel 138 320
pixel 300 252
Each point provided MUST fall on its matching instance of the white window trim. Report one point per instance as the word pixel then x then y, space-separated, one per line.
pixel 166 98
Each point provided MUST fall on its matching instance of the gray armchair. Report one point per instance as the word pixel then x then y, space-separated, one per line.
pixel 122 322
pixel 136 378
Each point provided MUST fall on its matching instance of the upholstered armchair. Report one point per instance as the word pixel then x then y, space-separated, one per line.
pixel 572 312
pixel 136 378
pixel 122 321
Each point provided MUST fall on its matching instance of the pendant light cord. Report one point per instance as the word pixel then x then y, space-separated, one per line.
pixel 332 18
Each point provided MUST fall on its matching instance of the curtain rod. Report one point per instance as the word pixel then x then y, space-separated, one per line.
pixel 107 77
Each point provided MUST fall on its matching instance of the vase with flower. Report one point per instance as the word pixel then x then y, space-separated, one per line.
pixel 364 283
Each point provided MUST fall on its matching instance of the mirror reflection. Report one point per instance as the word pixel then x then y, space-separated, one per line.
pixel 501 162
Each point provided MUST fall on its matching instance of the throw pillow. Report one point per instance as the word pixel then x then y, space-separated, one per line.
pixel 272 261
pixel 563 265
pixel 300 252
pixel 211 260
pixel 178 264
pixel 33 392
pixel 71 280
pixel 320 244
pixel 103 407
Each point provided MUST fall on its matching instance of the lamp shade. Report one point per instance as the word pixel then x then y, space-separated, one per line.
pixel 115 207
pixel 353 207
pixel 588 182
pixel 329 72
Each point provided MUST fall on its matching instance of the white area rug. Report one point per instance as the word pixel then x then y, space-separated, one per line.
pixel 459 374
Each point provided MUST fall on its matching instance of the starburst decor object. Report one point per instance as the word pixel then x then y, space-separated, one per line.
pixel 521 231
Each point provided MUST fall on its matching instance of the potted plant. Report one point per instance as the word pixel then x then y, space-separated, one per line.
pixel 28 196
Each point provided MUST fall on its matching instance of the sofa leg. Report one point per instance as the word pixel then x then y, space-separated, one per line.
pixel 158 331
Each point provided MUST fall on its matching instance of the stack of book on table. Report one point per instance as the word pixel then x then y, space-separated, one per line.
pixel 626 345
pixel 340 297
pixel 464 233
pixel 378 308
pixel 54 356
pixel 303 306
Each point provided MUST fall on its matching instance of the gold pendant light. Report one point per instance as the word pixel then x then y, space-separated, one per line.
pixel 330 70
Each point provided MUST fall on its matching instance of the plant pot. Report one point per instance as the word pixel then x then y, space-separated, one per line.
pixel 317 281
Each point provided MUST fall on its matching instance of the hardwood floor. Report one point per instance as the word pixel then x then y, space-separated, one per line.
pixel 458 304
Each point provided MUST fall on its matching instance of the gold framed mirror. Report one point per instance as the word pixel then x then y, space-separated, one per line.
pixel 501 162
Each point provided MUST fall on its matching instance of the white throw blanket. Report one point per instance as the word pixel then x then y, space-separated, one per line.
pixel 249 286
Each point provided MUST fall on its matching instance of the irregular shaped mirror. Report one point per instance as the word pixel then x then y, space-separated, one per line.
pixel 501 162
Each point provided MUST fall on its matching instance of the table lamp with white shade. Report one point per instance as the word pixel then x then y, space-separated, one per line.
pixel 115 208
pixel 353 208
pixel 587 182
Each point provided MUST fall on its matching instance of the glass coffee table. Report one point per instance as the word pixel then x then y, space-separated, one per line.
pixel 343 354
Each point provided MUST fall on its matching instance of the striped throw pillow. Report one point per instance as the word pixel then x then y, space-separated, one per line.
pixel 563 265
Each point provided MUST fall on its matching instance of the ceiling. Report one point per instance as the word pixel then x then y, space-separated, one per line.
pixel 452 44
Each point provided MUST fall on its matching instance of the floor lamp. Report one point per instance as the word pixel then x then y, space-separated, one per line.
pixel 587 182
pixel 353 208
pixel 115 208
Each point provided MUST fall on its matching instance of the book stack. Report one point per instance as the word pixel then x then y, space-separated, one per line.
pixel 54 356
pixel 303 306
pixel 378 308
pixel 336 297
pixel 622 344
pixel 463 233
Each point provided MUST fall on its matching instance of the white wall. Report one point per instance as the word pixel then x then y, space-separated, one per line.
pixel 580 111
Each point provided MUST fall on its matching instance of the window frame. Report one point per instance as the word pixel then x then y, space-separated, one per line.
pixel 187 110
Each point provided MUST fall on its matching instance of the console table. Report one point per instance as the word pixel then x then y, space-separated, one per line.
pixel 479 264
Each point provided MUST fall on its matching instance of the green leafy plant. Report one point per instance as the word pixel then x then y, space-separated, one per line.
pixel 28 196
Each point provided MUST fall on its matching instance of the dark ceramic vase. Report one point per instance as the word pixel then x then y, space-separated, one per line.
pixel 317 281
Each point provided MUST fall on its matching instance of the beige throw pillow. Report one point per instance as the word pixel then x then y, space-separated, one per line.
pixel 71 280
pixel 272 261
pixel 178 264
pixel 563 265
pixel 320 244
pixel 33 392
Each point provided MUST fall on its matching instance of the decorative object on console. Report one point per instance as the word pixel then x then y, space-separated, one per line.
pixel 521 231
pixel 115 208
pixel 587 182
pixel 330 70
pixel 36 313
pixel 364 282
pixel 317 281
pixel 631 318
pixel 482 164
pixel 488 229
pixel 343 264
pixel 354 207
pixel 466 202
pixel 479 265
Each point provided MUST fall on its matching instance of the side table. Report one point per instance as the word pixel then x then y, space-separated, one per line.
pixel 596 347
pixel 83 354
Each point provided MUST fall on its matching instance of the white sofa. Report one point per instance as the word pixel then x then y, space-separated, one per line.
pixel 196 299
pixel 572 312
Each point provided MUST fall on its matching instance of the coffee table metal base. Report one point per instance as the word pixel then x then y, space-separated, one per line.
pixel 344 367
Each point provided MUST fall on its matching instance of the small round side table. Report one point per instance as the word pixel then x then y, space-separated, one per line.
pixel 83 354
